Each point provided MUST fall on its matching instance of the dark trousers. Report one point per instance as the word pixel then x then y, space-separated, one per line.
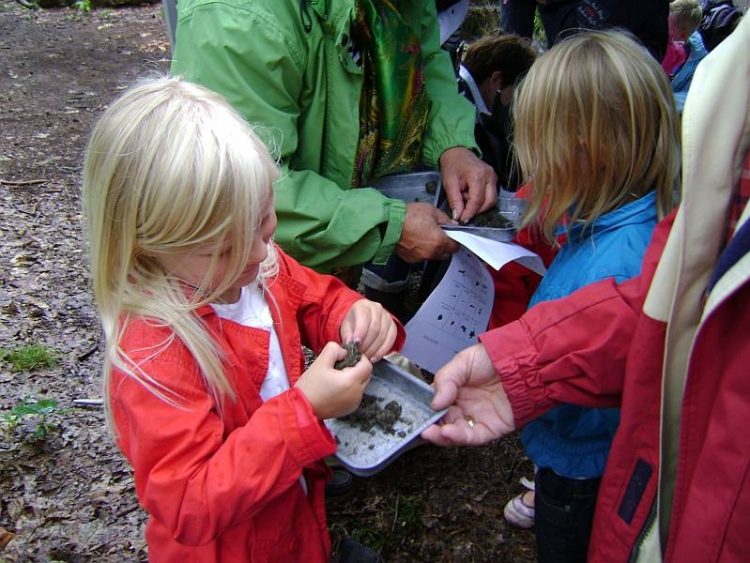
pixel 388 284
pixel 517 16
pixel 564 515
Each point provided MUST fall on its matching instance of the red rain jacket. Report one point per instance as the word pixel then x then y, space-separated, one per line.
pixel 670 348
pixel 225 486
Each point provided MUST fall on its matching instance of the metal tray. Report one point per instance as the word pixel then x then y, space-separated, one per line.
pixel 365 453
pixel 509 207
pixel 412 186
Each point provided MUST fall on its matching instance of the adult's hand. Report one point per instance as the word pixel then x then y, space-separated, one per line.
pixel 478 408
pixel 470 184
pixel 421 236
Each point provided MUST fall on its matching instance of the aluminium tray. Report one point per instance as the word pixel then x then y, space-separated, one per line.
pixel 411 186
pixel 365 453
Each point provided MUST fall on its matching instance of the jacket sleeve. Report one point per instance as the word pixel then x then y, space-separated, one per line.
pixel 327 226
pixel 451 119
pixel 573 350
pixel 191 477
pixel 321 223
pixel 325 303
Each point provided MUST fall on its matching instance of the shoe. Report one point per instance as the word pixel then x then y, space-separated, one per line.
pixel 340 482
pixel 517 512
pixel 351 551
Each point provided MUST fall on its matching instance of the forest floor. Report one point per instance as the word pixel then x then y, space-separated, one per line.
pixel 68 495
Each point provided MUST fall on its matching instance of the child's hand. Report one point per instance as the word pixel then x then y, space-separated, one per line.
pixel 333 392
pixel 372 326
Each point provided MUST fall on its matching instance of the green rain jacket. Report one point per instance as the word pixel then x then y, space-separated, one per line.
pixel 284 65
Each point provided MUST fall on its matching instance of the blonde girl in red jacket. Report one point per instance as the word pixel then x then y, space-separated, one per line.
pixel 204 321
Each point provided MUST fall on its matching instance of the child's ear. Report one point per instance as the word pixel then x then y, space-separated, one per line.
pixel 496 80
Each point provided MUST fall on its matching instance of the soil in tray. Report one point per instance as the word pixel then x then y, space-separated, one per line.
pixel 370 413
pixel 491 219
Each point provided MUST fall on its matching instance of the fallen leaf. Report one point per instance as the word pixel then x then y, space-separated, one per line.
pixel 5 537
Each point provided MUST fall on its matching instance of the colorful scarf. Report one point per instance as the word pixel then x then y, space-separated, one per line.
pixel 393 107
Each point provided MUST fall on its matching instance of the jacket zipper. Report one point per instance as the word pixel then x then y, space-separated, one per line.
pixel 650 519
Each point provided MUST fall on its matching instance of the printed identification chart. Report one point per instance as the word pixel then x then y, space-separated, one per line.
pixel 453 315
pixel 459 308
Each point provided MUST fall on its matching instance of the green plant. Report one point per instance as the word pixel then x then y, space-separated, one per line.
pixel 36 413
pixel 26 358
pixel 83 6
pixel 398 520
pixel 482 19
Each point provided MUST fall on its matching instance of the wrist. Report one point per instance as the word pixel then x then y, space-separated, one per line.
pixel 310 397
pixel 453 152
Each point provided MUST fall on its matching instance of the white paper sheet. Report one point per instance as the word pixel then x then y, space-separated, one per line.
pixel 497 254
pixel 453 315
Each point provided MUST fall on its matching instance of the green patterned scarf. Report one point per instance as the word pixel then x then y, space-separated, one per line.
pixel 393 106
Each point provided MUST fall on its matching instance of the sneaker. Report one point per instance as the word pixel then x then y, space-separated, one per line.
pixel 519 511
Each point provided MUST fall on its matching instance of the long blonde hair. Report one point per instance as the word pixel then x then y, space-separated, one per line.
pixel 595 127
pixel 170 167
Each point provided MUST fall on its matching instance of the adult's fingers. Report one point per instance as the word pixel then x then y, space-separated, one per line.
pixel 446 389
pixel 482 195
pixel 433 434
pixel 452 188
pixel 466 432
pixel 422 238
pixel 458 429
